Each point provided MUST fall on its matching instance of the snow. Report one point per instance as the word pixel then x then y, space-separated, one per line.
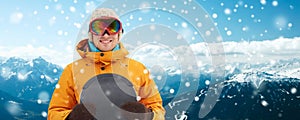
pixel 58 7
pixel 263 2
pixel 229 33
pixel 264 103
pixel 138 98
pixel 39 27
pixel 207 33
pixel 35 12
pixel 275 3
pixel 145 71
pixel 46 7
pixel 184 24
pixel 227 11
pixel 44 114
pixel 187 84
pixel 39 101
pixel 59 32
pixel 43 97
pixel 23 76
pixel 16 18
pixel 13 108
pixel 207 82
pixel 42 76
pixel 7 73
pixel 48 78
pixel 196 98
pixel 54 70
pixel 293 90
pixel 57 86
pixel 291 7
pixel 159 77
pixel 72 9
pixel 152 19
pixel 290 25
pixel 222 4
pixel 239 52
pixel 214 15
pixel 172 91
pixel 280 22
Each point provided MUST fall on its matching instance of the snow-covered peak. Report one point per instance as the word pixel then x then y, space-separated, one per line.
pixel 24 78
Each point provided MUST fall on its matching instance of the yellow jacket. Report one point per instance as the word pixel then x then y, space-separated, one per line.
pixel 76 74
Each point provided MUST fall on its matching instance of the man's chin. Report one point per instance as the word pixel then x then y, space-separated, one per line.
pixel 105 49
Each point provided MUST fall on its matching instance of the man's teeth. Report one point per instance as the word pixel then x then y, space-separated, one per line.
pixel 105 41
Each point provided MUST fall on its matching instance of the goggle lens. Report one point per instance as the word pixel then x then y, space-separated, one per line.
pixel 111 25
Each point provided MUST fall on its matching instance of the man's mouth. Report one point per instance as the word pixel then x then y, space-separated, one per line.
pixel 105 41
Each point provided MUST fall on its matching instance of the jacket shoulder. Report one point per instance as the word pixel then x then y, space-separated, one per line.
pixel 76 63
pixel 135 63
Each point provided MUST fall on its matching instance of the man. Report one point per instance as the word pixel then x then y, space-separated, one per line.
pixel 102 53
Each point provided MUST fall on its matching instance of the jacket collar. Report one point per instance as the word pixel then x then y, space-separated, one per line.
pixel 100 57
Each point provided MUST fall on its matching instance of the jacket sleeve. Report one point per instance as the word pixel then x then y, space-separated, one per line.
pixel 63 98
pixel 150 96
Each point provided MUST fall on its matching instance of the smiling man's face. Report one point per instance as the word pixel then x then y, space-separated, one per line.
pixel 106 42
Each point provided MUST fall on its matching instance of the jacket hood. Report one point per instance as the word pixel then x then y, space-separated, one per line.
pixel 100 57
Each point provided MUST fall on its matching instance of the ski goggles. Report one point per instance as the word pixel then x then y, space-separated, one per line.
pixel 101 25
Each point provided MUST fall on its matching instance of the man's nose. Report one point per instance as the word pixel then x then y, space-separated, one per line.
pixel 105 34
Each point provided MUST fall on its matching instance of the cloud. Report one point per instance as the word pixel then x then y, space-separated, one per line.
pixel 31 52
pixel 155 54
pixel 254 51
pixel 201 55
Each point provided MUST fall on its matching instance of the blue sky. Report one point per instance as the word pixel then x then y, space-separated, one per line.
pixel 261 19
pixel 246 20
pixel 56 24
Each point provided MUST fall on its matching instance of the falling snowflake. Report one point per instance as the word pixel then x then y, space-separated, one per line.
pixel 207 82
pixel 263 2
pixel 159 77
pixel 275 3
pixel 72 9
pixel 60 32
pixel 57 86
pixel 227 11
pixel 172 91
pixel 293 90
pixel 290 25
pixel 215 15
pixel 46 7
pixel 55 70
pixel 44 96
pixel 138 98
pixel 196 98
pixel 184 25
pixel 16 18
pixel 39 101
pixel 44 114
pixel 82 71
pixel 145 71
pixel 13 108
pixel 264 103
pixel 187 84
pixel 229 33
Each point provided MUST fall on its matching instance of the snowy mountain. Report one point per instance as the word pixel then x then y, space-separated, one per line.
pixel 253 91
pixel 12 108
pixel 277 99
pixel 249 91
pixel 258 73
pixel 29 79
pixel 26 87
